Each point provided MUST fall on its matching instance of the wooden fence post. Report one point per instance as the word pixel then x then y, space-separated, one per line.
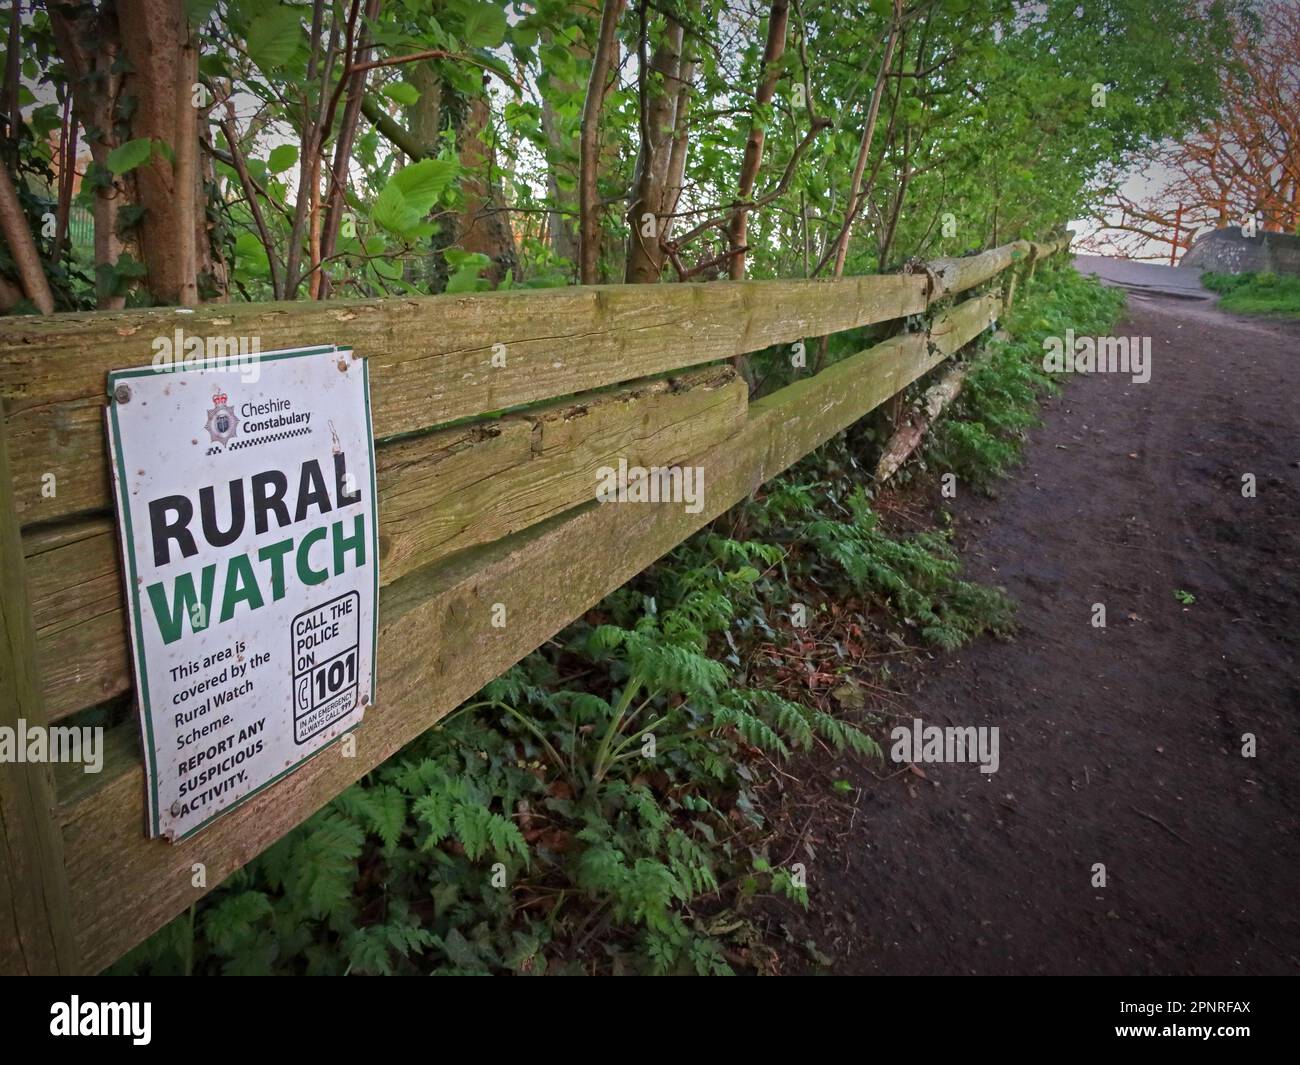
pixel 35 922
pixel 1009 285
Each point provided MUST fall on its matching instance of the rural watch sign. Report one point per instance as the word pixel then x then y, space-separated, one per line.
pixel 246 512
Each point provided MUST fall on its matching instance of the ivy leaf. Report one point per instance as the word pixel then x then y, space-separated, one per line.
pixel 461 951
pixel 114 279
pixel 126 157
pixel 282 157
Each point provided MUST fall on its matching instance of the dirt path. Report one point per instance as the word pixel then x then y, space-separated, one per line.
pixel 1119 745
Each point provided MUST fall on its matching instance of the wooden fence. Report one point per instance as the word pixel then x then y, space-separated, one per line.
pixel 483 511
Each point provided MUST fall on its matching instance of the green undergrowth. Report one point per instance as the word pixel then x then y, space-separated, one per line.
pixel 1277 294
pixel 980 438
pixel 601 806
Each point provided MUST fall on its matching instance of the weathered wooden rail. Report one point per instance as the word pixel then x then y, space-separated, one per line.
pixel 491 509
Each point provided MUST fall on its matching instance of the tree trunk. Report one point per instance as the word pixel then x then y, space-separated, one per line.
pixel 67 174
pixel 660 91
pixel 676 180
pixel 562 148
pixel 315 130
pixel 424 117
pixel 908 437
pixel 337 179
pixel 88 41
pixel 173 234
pixel 856 192
pixel 483 225
pixel 736 229
pixel 22 246
pixel 589 144
pixel 900 194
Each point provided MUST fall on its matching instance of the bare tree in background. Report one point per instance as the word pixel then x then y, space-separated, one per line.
pixel 1244 162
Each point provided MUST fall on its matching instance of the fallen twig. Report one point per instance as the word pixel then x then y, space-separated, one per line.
pixel 1152 817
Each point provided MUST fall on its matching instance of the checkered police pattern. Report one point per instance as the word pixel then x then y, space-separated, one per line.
pixel 270 438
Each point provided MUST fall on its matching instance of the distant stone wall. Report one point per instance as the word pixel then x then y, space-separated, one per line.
pixel 1227 251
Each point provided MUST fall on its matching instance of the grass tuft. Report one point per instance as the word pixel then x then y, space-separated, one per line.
pixel 1276 294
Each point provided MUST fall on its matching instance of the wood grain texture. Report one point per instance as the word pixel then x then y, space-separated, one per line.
pixel 430 357
pixel 907 438
pixel 439 493
pixel 954 329
pixel 438 646
pixel 36 935
pixel 955 275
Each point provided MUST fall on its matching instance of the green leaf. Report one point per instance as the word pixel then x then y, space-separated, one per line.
pixel 229 923
pixel 524 35
pixel 484 24
pixel 250 256
pixel 466 278
pixel 404 202
pixel 128 156
pixel 423 182
pixel 401 91
pixel 461 951
pixel 387 813
pixel 197 11
pixel 274 37
pixel 392 212
pixel 282 157
pixel 45 119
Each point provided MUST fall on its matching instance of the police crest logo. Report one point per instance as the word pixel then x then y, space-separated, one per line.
pixel 223 423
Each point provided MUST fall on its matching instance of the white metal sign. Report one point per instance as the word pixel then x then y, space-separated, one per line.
pixel 247 517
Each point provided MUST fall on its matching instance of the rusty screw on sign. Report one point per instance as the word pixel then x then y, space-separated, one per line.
pixel 122 393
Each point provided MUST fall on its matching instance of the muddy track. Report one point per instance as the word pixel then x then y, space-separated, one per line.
pixel 1119 745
